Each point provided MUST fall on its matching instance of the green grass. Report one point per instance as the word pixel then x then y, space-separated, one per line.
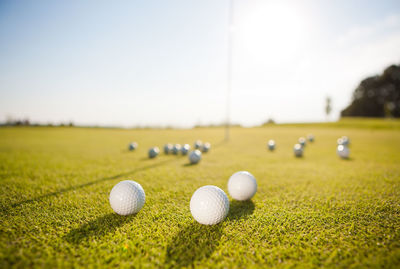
pixel 309 212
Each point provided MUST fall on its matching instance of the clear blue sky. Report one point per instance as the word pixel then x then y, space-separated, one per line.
pixel 164 62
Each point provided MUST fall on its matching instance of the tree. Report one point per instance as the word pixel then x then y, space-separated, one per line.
pixel 377 96
pixel 328 107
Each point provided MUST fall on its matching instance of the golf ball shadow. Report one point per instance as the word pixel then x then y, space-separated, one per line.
pixel 240 209
pixel 195 242
pixel 97 228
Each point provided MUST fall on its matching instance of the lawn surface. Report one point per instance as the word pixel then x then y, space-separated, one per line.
pixel 314 211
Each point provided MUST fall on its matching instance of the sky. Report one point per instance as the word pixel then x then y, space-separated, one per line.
pixel 165 62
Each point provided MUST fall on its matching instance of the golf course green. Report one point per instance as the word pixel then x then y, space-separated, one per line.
pixel 318 210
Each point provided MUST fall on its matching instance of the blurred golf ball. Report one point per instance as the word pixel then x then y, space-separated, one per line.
pixel 343 151
pixel 197 144
pixel 176 149
pixel 195 156
pixel 298 150
pixel 271 145
pixel 132 146
pixel 209 205
pixel 302 141
pixel 127 197
pixel 345 140
pixel 206 147
pixel 242 186
pixel 168 148
pixel 185 149
pixel 153 152
pixel 310 137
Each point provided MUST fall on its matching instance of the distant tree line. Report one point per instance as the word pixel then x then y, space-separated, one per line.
pixel 10 121
pixel 377 96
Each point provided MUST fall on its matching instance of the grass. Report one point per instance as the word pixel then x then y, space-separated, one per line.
pixel 308 212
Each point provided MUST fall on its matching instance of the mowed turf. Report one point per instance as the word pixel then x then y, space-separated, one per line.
pixel 313 211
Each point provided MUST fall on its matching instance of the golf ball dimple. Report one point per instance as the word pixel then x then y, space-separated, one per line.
pixel 195 156
pixel 343 151
pixel 197 144
pixel 206 147
pixel 127 197
pixel 168 148
pixel 242 186
pixel 271 145
pixel 153 152
pixel 176 149
pixel 185 149
pixel 298 150
pixel 132 146
pixel 209 205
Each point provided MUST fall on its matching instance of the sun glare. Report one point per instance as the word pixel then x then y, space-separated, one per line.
pixel 271 30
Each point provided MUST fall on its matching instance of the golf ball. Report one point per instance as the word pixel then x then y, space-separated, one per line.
pixel 176 149
pixel 195 156
pixel 153 152
pixel 310 137
pixel 206 147
pixel 242 186
pixel 271 145
pixel 345 140
pixel 127 197
pixel 343 151
pixel 197 144
pixel 302 141
pixel 340 141
pixel 132 146
pixel 168 148
pixel 298 150
pixel 185 149
pixel 209 205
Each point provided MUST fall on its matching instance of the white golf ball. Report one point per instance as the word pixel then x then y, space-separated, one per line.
pixel 168 148
pixel 345 140
pixel 185 149
pixel 127 197
pixel 195 156
pixel 206 147
pixel 133 146
pixel 310 137
pixel 176 149
pixel 271 145
pixel 343 151
pixel 302 141
pixel 242 186
pixel 197 144
pixel 153 152
pixel 298 150
pixel 209 205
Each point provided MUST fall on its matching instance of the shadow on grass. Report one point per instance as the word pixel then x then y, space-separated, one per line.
pixel 197 242
pixel 90 183
pixel 193 243
pixel 97 228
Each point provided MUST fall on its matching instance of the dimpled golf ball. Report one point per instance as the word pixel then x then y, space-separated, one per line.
pixel 153 152
pixel 176 149
pixel 168 148
pixel 195 156
pixel 197 144
pixel 302 141
pixel 343 151
pixel 206 147
pixel 271 145
pixel 127 197
pixel 298 150
pixel 209 205
pixel 185 149
pixel 132 146
pixel 242 186
pixel 310 137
